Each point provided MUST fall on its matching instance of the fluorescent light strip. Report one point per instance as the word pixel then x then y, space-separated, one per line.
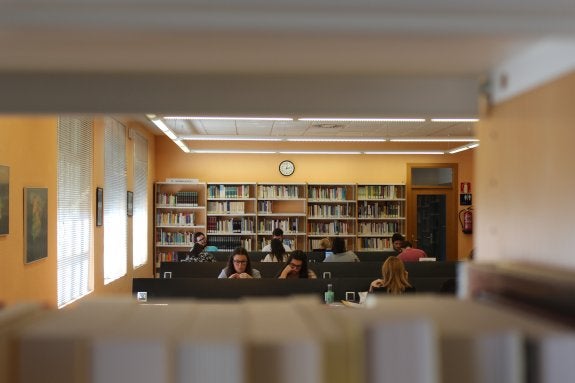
pixel 223 138
pixel 208 151
pixel 406 152
pixel 433 140
pixel 315 152
pixel 228 118
pixel 164 128
pixel 455 119
pixel 182 146
pixel 462 148
pixel 336 139
pixel 324 119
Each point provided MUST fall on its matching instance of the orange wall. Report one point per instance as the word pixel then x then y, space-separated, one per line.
pixel 171 162
pixel 28 145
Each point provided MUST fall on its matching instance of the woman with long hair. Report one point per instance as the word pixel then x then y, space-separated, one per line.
pixel 278 253
pixel 394 278
pixel 239 266
pixel 296 267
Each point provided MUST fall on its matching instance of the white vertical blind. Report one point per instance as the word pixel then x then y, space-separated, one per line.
pixel 74 211
pixel 140 217
pixel 115 201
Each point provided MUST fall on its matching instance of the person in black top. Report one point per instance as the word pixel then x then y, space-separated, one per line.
pixel 197 253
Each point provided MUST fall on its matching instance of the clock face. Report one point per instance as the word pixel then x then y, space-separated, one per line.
pixel 287 168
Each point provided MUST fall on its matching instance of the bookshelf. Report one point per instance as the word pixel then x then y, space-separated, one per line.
pixel 179 212
pixel 283 206
pixel 231 215
pixel 380 213
pixel 331 212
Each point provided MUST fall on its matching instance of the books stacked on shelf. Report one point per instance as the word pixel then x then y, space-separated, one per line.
pixel 367 209
pixel 380 192
pixel 278 191
pixel 187 198
pixel 226 207
pixel 330 228
pixel 328 193
pixel 331 211
pixel 174 238
pixel 229 191
pixel 230 242
pixel 415 339
pixel 265 207
pixel 170 218
pixel 379 244
pixel 288 225
pixel 378 228
pixel 230 225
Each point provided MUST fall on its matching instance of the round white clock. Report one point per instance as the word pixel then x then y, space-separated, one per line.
pixel 287 168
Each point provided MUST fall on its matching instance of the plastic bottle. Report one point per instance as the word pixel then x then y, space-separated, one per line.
pixel 329 295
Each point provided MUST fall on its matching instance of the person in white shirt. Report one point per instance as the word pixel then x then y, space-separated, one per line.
pixel 279 234
pixel 278 253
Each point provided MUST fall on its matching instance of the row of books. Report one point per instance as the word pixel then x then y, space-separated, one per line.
pixel 230 242
pixel 278 191
pixel 379 228
pixel 319 210
pixel 288 225
pixel 174 218
pixel 328 193
pixel 330 228
pixel 189 198
pixel 230 225
pixel 376 243
pixel 226 207
pixel 229 191
pixel 381 192
pixel 380 210
pixel 412 339
pixel 177 238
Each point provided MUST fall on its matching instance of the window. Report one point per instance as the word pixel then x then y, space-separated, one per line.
pixel 115 201
pixel 432 176
pixel 74 211
pixel 140 217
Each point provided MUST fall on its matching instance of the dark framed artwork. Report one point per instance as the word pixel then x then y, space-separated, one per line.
pixel 4 200
pixel 35 224
pixel 130 203
pixel 99 206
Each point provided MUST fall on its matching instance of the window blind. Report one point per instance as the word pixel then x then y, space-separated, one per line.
pixel 74 211
pixel 115 201
pixel 140 217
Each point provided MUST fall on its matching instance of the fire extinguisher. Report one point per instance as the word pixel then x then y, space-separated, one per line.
pixel 467 220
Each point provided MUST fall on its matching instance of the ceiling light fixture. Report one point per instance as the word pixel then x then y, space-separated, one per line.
pixel 462 148
pixel 228 118
pixel 316 152
pixel 208 151
pixel 455 119
pixel 228 138
pixel 438 139
pixel 326 119
pixel 336 139
pixel 164 128
pixel 406 152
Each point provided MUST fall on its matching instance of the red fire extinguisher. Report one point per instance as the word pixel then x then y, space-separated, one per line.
pixel 467 220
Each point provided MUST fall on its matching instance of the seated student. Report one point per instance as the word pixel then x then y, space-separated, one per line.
pixel 239 266
pixel 279 234
pixel 394 279
pixel 296 267
pixel 340 254
pixel 197 252
pixel 324 244
pixel 396 242
pixel 409 254
pixel 278 253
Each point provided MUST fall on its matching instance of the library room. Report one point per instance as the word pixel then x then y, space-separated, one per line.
pixel 408 173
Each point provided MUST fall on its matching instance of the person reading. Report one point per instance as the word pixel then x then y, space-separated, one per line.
pixel 239 266
pixel 340 253
pixel 197 252
pixel 394 278
pixel 297 267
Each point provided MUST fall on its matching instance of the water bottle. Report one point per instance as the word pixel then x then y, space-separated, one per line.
pixel 329 295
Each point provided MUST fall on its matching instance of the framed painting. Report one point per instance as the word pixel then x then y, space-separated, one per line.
pixel 4 199
pixel 99 206
pixel 35 224
pixel 130 203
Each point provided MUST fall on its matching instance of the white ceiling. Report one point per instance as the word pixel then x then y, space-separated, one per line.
pixel 170 56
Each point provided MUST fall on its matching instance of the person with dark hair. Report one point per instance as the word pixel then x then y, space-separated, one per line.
pixel 340 253
pixel 278 253
pixel 197 252
pixel 297 267
pixel 279 234
pixel 239 266
pixel 396 242
pixel 409 254
pixel 394 278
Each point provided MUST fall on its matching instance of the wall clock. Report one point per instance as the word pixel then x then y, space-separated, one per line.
pixel 287 168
